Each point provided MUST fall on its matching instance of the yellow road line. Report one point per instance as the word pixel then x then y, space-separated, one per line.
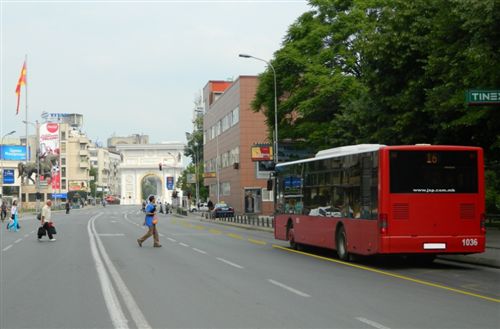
pixel 262 243
pixel 402 277
pixel 214 231
pixel 235 236
pixel 198 227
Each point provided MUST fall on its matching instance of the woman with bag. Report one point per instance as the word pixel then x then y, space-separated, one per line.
pixel 150 221
pixel 13 223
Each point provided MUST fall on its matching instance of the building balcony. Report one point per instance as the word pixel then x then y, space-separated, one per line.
pixel 84 165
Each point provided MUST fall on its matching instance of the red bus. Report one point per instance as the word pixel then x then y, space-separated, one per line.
pixel 418 200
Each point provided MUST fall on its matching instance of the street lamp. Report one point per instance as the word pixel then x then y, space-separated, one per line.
pixel 275 103
pixel 37 155
pixel 1 171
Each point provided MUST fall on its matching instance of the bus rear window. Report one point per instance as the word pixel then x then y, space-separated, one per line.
pixel 433 172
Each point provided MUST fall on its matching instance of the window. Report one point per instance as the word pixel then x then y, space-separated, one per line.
pixel 236 115
pixel 63 161
pixel 267 195
pixel 63 135
pixel 433 172
pixel 63 172
pixel 235 155
pixel 226 188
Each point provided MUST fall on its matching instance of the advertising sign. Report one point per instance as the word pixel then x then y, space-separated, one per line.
pixel 13 152
pixel 170 182
pixel 262 153
pixel 50 150
pixel 8 176
pixel 482 97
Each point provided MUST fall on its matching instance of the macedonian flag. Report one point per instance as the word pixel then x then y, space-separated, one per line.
pixel 21 82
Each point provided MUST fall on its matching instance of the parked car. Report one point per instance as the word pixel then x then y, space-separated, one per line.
pixel 203 206
pixel 222 210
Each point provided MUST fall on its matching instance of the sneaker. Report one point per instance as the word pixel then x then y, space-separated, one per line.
pixel 53 239
pixel 139 242
pixel 157 245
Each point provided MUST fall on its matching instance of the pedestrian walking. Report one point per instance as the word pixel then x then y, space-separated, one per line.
pixel 150 221
pixel 4 211
pixel 14 220
pixel 46 221
pixel 67 207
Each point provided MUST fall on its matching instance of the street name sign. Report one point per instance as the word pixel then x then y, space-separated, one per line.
pixel 482 97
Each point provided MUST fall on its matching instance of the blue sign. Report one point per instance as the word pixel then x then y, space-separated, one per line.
pixel 170 183
pixel 59 195
pixel 8 176
pixel 13 152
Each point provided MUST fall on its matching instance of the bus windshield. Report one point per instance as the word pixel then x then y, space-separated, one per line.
pixel 433 172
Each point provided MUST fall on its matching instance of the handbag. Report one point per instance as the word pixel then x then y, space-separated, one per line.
pixel 41 231
pixel 52 229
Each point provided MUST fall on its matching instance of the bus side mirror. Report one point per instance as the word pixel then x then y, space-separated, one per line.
pixel 269 184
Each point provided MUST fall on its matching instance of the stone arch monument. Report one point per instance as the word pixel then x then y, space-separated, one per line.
pixel 142 162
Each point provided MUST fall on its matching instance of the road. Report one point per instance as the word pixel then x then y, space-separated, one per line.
pixel 214 276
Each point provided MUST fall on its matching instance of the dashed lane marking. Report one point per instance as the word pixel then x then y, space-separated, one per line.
pixel 18 240
pixel 200 251
pixel 230 263
pixel 7 248
pixel 235 236
pixel 284 286
pixel 259 242
pixel 372 323
pixel 183 244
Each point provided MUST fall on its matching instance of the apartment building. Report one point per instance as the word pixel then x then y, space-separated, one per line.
pixel 230 129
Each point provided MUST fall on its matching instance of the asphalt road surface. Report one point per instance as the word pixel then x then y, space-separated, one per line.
pixel 208 275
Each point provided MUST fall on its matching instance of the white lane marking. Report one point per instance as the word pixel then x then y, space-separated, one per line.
pixel 284 286
pixel 26 235
pixel 111 299
pixel 162 235
pixel 230 263
pixel 111 234
pixel 18 240
pixel 170 239
pixel 372 323
pixel 7 248
pixel 127 297
pixel 183 244
pixel 200 251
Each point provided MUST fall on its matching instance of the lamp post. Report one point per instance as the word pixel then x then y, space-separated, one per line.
pixel 275 103
pixel 2 159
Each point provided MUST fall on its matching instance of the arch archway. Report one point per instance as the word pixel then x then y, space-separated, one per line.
pixel 151 185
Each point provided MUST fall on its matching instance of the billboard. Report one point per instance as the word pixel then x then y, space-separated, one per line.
pixel 50 150
pixel 170 182
pixel 262 153
pixel 13 152
pixel 8 176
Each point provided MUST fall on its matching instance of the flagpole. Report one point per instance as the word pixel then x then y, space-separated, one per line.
pixel 21 204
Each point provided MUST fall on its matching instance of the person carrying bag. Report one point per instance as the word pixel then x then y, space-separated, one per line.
pixel 46 222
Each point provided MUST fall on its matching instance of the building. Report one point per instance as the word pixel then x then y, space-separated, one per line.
pixel 132 139
pixel 230 129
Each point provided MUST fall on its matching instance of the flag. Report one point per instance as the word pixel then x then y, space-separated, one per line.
pixel 21 82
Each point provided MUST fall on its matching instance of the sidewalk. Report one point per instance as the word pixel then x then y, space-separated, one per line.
pixel 491 256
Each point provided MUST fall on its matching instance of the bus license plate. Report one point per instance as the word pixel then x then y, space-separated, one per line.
pixel 428 246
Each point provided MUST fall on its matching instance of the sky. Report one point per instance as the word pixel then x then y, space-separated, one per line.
pixel 131 67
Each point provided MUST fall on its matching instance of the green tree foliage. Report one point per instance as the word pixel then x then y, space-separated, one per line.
pixel 389 72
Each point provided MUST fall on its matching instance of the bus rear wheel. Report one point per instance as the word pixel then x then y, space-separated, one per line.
pixel 342 245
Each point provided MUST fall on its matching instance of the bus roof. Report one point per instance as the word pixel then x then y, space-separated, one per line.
pixel 363 148
pixel 338 151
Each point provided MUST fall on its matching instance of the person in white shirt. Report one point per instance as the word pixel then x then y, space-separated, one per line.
pixel 46 220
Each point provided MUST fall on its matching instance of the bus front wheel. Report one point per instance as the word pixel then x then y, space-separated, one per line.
pixel 342 245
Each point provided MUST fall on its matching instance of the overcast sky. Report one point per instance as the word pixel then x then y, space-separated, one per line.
pixel 131 66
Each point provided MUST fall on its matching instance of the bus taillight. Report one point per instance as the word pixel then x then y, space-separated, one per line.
pixel 382 218
pixel 482 223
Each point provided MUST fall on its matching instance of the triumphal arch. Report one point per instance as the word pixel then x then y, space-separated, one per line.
pixel 149 169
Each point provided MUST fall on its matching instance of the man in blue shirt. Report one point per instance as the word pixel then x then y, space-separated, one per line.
pixel 150 221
